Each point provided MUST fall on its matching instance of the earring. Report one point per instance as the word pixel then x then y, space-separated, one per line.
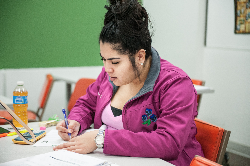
pixel 141 63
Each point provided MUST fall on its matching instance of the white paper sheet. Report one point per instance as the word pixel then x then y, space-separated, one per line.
pixel 51 139
pixel 61 157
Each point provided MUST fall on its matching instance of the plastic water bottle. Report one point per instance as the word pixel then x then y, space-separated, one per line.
pixel 20 103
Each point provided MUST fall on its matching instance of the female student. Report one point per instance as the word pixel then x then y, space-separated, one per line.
pixel 142 105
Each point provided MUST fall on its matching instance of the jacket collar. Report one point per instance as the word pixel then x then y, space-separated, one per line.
pixel 151 78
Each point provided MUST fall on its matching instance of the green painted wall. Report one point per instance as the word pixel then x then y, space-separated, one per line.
pixel 50 33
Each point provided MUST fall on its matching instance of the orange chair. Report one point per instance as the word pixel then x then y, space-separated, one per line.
pixel 201 161
pixel 80 90
pixel 33 116
pixel 44 96
pixel 213 140
pixel 198 82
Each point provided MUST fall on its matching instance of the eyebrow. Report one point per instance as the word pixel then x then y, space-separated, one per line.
pixel 109 58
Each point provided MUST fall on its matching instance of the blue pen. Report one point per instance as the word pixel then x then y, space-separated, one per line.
pixel 66 121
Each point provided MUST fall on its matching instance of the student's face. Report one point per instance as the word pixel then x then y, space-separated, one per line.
pixel 118 67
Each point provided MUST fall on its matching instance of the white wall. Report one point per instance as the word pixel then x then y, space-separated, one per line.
pixel 2 82
pixel 179 32
pixel 227 70
pixel 220 27
pixel 226 67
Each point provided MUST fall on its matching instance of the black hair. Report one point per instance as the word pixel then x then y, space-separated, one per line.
pixel 126 28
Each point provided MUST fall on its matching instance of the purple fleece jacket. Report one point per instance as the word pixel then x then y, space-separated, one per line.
pixel 158 122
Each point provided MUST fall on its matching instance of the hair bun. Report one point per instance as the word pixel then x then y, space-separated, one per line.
pixel 126 24
pixel 129 12
pixel 120 10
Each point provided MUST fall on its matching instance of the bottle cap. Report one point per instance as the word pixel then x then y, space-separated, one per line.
pixel 20 82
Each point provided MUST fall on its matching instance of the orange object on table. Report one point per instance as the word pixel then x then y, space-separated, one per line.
pixel 3 135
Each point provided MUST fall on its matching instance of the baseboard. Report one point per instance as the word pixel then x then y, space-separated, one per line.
pixel 238 149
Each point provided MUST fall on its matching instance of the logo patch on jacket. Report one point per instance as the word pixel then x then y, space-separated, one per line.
pixel 149 117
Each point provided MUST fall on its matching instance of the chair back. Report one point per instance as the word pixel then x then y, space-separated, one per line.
pixel 6 115
pixel 80 90
pixel 201 161
pixel 213 140
pixel 202 83
pixel 45 95
pixel 198 82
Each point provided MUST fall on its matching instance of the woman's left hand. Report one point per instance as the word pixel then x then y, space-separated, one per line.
pixel 82 144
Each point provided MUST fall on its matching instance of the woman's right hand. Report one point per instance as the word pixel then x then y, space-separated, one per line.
pixel 74 127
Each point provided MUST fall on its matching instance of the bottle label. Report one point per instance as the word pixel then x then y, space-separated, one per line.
pixel 20 99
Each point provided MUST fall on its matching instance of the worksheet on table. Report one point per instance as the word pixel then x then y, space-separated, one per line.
pixel 51 139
